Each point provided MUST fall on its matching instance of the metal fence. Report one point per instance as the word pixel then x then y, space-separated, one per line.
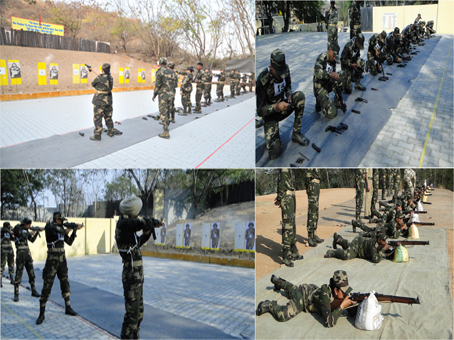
pixel 36 39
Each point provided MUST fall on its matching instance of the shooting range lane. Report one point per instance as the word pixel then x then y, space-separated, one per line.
pixel 72 149
pixel 348 149
pixel 426 276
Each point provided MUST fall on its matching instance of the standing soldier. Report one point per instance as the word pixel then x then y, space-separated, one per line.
pixel 375 54
pixel 313 193
pixel 396 182
pixel 375 187
pixel 208 77
pixel 185 91
pixel 352 63
pixel 174 85
pixel 237 82
pixel 199 89
pixel 275 102
pixel 56 236
pixel 129 243
pixel 417 19
pixel 220 87
pixel 360 177
pixel 102 101
pixel 7 252
pixel 286 201
pixel 23 256
pixel 383 184
pixel 251 81
pixel 331 19
pixel 232 83
pixel 368 195
pixel 244 82
pixel 410 180
pixel 164 89
pixel 355 19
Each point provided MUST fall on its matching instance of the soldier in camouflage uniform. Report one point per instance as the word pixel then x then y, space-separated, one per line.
pixel 275 102
pixel 23 256
pixel 417 19
pixel 102 102
pixel 325 76
pixel 244 82
pixel 328 301
pixel 355 19
pixel 199 89
pixel 375 54
pixel 7 252
pixel 383 182
pixel 220 87
pixel 232 83
pixel 331 19
pixel 430 29
pixel 238 86
pixel 360 247
pixel 409 180
pixel 286 201
pixel 396 180
pixel 375 187
pixel 352 63
pixel 171 67
pixel 392 229
pixel 392 47
pixel 208 77
pixel 251 81
pixel 164 88
pixel 56 236
pixel 129 244
pixel 360 178
pixel 313 193
pixel 409 32
pixel 185 91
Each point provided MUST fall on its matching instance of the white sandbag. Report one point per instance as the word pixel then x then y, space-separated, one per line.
pixel 419 206
pixel 414 218
pixel 413 232
pixel 131 206
pixel 369 316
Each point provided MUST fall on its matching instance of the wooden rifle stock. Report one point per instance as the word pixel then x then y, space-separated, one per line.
pixel 359 297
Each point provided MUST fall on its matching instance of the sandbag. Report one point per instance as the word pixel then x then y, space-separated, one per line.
pixel 369 316
pixel 419 206
pixel 413 232
pixel 131 206
pixel 414 218
pixel 400 254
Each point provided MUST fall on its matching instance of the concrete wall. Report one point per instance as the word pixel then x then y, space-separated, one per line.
pixel 97 237
pixel 441 14
pixel 177 206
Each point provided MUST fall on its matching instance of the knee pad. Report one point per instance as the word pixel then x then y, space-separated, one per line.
pixel 274 149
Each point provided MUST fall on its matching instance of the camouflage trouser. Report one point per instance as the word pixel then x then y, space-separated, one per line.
pixel 390 184
pixel 396 181
pixel 359 198
pixel 186 98
pixel 354 30
pixel 24 259
pixel 220 89
pixel 243 86
pixel 198 97
pixel 373 67
pixel 328 106
pixel 288 222
pixel 388 55
pixel 383 183
pixel 351 252
pixel 238 88
pixel 373 210
pixel 313 192
pixel 172 107
pixel 332 37
pixel 132 278
pixel 101 112
pixel 165 105
pixel 271 123
pixel 55 265
pixel 349 73
pixel 300 301
pixel 8 256
pixel 207 92
pixel 250 86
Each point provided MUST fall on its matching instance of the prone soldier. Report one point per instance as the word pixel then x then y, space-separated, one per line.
pixel 7 252
pixel 352 64
pixel 164 88
pixel 185 91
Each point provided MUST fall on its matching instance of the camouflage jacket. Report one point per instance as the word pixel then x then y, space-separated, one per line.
pixel 22 236
pixel 186 83
pixel 375 43
pixel 165 82
pixel 360 177
pixel 7 237
pixel 103 85
pixel 416 21
pixel 312 173
pixel 367 248
pixel 392 45
pixel 232 77
pixel 355 15
pixel 175 78
pixel 199 77
pixel 409 33
pixel 322 71
pixel 268 92
pixel 207 78
pixel 244 78
pixel 56 235
pixel 350 54
pixel 391 229
pixel 221 78
pixel 128 242
pixel 331 16
pixel 285 183
pixel 321 300
pixel 376 179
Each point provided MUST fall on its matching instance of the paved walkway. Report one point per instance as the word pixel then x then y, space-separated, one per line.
pixel 424 115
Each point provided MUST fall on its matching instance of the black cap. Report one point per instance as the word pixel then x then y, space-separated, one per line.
pixel 26 220
pixel 6 225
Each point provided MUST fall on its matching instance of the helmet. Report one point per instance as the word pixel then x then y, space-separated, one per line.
pixel 59 215
pixel 171 64
pixel 26 220
pixel 162 61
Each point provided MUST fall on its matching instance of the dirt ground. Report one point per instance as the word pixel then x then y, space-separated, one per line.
pixel 337 209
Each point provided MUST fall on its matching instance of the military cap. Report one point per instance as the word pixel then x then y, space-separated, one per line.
pixel 333 45
pixel 200 63
pixel 340 280
pixel 423 22
pixel 277 61
pixel 383 35
pixel 381 235
pixel 399 203
pixel 162 61
pixel 171 64
pixel 399 215
pixel 59 215
pixel 396 30
pixel 360 39
pixel 106 67
pixel 26 220
pixel 6 225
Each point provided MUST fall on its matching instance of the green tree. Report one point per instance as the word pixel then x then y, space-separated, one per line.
pixel 120 187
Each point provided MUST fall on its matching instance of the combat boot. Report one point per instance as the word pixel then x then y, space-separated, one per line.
pixel 286 259
pixel 298 137
pixel 172 120
pixel 329 253
pixel 189 109
pixel 16 293
pixel 110 133
pixel 311 240
pixel 95 137
pixel 70 311
pixel 360 87
pixel 222 98
pixel 278 283
pixel 354 225
pixel 316 238
pixel 317 107
pixel 218 100
pixel 264 307
pixel 295 254
pixel 166 133
pixel 335 237
pixel 34 292
pixel 184 113
pixel 198 110
pixel 41 316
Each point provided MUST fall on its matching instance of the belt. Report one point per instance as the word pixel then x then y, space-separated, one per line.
pixel 315 180
pixel 356 26
pixel 55 250
pixel 332 24
pixel 105 92
pixel 22 247
pixel 137 263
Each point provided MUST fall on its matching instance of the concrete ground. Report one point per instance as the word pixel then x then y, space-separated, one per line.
pixel 220 137
pixel 414 105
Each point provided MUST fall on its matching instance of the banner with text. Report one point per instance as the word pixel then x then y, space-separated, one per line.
pixel 34 26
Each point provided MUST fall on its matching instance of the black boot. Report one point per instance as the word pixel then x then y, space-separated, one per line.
pixel 70 311
pixel 316 238
pixel 16 293
pixel 278 283
pixel 295 254
pixel 264 307
pixel 286 258
pixel 41 317
pixel 335 241
pixel 34 292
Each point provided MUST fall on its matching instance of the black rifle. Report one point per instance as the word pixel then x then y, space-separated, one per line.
pixel 338 95
pixel 419 223
pixel 37 229
pixel 358 297
pixel 72 226
pixel 416 212
pixel 408 243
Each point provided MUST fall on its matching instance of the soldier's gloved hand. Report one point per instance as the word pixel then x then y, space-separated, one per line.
pixel 282 106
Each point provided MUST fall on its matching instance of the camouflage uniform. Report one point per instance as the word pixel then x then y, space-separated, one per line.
pixel 430 29
pixel 232 83
pixel 23 257
pixel 352 55
pixel 102 104
pixel 408 31
pixel 409 180
pixel 375 185
pixel 186 89
pixel 251 81
pixel 396 178
pixel 244 82
pixel 129 244
pixel 207 78
pixel 355 20
pixel 392 45
pixel 331 19
pixel 383 183
pixel 324 84
pixel 199 90
pixel 56 236
pixel 174 85
pixel 359 247
pixel 237 82
pixel 220 87
pixel 375 44
pixel 164 88
pixel 269 92
pixel 7 251
pixel 359 185
pixel 307 298
pixel 313 193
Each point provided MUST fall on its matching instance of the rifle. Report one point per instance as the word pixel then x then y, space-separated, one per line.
pixel 359 297
pixel 408 243
pixel 419 223
pixel 416 212
pixel 338 94
pixel 37 229
pixel 73 226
